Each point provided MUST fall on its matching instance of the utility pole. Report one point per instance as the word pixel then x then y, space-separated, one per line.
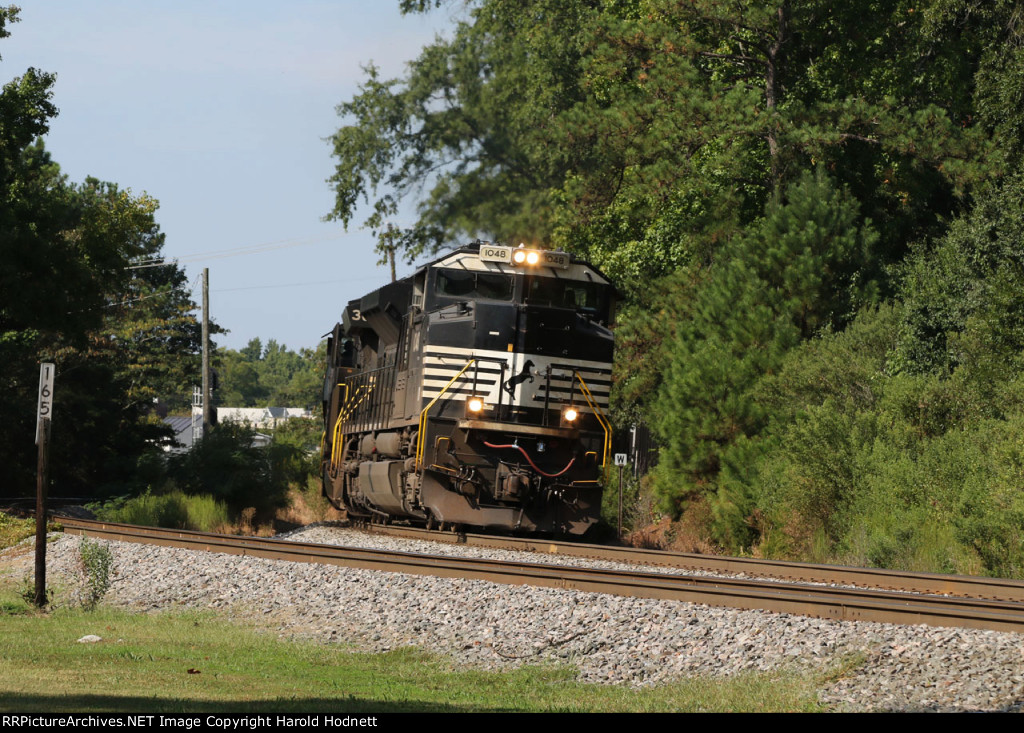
pixel 389 236
pixel 207 402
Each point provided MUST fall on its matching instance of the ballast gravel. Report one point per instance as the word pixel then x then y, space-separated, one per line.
pixel 608 639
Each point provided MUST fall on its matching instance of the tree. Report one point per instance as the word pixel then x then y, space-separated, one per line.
pixel 271 376
pixel 698 112
pixel 962 299
pixel 643 134
pixel 119 336
pixel 785 281
pixel 473 121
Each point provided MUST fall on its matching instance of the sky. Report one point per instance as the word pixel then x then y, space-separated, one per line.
pixel 219 109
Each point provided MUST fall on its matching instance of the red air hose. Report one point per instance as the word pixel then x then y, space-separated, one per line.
pixel 527 457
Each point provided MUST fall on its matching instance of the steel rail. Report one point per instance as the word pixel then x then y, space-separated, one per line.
pixel 823 602
pixel 965 586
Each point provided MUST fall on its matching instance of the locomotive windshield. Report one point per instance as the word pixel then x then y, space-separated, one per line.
pixel 585 297
pixel 473 285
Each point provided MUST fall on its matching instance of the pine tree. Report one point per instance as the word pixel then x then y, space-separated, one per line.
pixel 793 275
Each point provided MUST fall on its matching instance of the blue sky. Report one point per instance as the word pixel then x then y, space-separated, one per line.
pixel 219 110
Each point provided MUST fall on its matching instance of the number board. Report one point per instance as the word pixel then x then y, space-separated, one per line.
pixel 45 405
pixel 495 253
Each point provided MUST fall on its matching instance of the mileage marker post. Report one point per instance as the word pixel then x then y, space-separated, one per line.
pixel 44 413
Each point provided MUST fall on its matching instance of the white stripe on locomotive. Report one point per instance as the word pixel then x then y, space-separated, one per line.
pixel 441 363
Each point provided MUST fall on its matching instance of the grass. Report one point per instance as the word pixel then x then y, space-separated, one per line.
pixel 178 510
pixel 196 662
pixel 175 509
pixel 13 530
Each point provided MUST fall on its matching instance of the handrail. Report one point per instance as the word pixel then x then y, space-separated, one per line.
pixel 600 418
pixel 420 443
pixel 343 414
pixel 333 429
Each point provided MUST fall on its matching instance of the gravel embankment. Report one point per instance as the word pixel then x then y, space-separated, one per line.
pixel 608 639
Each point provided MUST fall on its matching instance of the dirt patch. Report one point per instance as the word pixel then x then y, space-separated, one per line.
pixel 687 534
pixel 304 509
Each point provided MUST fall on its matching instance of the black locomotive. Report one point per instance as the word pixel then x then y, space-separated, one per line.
pixel 473 393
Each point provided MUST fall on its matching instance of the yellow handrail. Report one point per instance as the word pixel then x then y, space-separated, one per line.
pixel 334 429
pixel 607 426
pixel 343 414
pixel 420 443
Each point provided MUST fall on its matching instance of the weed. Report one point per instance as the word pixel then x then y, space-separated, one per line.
pixel 175 510
pixel 27 593
pixel 97 564
pixel 13 530
pixel 845 666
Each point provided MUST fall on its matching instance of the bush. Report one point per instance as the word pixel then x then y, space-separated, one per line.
pixel 294 452
pixel 174 510
pixel 226 465
pixel 97 564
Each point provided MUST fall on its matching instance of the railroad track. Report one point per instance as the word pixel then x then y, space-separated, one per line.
pixel 823 602
pixel 965 586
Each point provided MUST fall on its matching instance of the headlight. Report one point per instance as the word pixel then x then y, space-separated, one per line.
pixel 570 414
pixel 532 258
pixel 475 404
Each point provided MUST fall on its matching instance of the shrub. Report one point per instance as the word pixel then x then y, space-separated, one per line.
pixel 175 510
pixel 227 466
pixel 97 564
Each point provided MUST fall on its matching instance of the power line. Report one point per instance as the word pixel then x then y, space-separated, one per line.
pixel 235 251
pixel 295 285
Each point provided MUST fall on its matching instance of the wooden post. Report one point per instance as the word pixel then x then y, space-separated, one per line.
pixel 620 502
pixel 44 412
pixel 41 486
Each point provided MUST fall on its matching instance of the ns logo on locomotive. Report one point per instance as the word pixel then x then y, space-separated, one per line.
pixel 473 394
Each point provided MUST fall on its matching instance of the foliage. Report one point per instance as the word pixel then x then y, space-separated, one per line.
pixel 862 465
pixel 173 509
pixel 97 564
pixel 307 503
pixel 643 134
pixel 226 465
pixel 14 530
pixel 294 451
pixel 962 293
pixel 271 375
pixel 141 345
pixel 793 276
pixel 224 479
pixel 643 333
pixel 473 120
